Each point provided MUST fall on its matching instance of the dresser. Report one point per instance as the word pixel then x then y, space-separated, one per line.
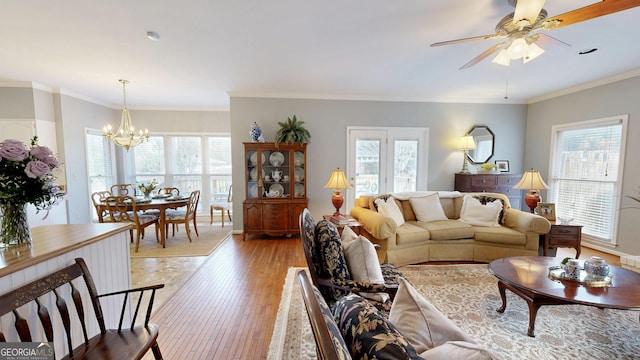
pixel 498 183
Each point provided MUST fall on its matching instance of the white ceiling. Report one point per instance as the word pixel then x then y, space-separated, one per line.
pixel 354 49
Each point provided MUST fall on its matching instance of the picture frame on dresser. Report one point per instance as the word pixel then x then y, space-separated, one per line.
pixel 547 210
pixel 503 165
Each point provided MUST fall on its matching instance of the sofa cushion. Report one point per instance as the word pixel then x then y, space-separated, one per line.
pixel 367 333
pixel 390 208
pixel 448 230
pixel 332 261
pixel 473 212
pixel 427 208
pixel 410 233
pixel 499 235
pixel 424 326
pixel 458 350
pixel 362 261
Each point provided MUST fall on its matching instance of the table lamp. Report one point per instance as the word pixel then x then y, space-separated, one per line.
pixel 467 142
pixel 337 182
pixel 532 181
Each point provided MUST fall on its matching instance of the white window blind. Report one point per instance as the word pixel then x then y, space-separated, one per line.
pixel 99 162
pixel 586 174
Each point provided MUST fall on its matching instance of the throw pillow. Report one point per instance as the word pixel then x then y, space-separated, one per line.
pixel 390 208
pixel 367 333
pixel 424 326
pixel 347 236
pixel 458 350
pixel 474 213
pixel 487 199
pixel 332 261
pixel 427 208
pixel 362 261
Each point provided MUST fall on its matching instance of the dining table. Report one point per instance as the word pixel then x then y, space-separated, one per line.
pixel 155 203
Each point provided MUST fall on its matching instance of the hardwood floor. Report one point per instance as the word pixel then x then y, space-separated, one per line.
pixel 227 309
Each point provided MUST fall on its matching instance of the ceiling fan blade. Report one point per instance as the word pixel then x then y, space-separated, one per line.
pixel 545 40
pixel 526 13
pixel 602 8
pixel 482 56
pixel 475 38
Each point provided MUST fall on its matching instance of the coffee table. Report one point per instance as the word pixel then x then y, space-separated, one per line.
pixel 527 277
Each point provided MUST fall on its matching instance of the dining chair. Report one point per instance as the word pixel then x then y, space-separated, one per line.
pixel 98 199
pixel 123 189
pixel 173 191
pixel 222 206
pixel 122 208
pixel 186 216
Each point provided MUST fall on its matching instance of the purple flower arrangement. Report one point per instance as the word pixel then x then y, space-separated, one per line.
pixel 26 175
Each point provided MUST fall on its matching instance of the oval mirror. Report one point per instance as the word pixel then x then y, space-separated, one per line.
pixel 484 139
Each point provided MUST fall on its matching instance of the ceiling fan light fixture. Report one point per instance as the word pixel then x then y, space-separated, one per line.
pixel 532 52
pixel 518 48
pixel 502 58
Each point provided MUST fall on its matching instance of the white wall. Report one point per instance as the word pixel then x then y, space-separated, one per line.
pixel 327 121
pixel 603 101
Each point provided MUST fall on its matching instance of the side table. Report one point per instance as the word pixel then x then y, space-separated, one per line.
pixel 563 235
pixel 353 224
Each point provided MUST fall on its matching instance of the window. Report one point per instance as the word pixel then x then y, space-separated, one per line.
pixel 586 174
pixel 178 161
pixel 386 160
pixel 100 166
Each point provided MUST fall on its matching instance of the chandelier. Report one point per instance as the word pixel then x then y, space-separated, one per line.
pixel 125 136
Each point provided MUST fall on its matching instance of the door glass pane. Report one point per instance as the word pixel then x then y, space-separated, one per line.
pixel 405 165
pixel 367 167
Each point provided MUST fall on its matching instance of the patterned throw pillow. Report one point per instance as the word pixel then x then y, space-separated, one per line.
pixel 367 333
pixel 332 261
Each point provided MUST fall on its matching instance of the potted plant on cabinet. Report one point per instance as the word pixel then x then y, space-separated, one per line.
pixel 292 131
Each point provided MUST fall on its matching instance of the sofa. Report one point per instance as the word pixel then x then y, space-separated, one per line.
pixel 447 226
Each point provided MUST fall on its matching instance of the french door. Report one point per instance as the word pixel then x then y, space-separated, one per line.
pixel 383 159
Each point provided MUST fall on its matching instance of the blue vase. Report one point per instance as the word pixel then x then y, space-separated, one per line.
pixel 255 132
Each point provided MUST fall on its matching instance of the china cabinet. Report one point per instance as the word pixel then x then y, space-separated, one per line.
pixel 276 188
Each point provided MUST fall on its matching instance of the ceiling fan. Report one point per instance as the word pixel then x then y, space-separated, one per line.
pixel 529 17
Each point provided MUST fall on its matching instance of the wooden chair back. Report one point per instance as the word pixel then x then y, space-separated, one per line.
pixel 173 191
pixel 177 217
pixel 127 342
pixel 98 198
pixel 123 189
pixel 329 344
pixel 123 209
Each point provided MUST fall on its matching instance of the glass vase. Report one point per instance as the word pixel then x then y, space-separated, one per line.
pixel 14 228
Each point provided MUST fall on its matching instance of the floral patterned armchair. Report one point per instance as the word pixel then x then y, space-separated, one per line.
pixel 328 268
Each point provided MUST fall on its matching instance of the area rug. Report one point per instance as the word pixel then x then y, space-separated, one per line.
pixel 211 236
pixel 468 295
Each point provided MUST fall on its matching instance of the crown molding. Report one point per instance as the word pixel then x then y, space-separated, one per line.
pixel 586 86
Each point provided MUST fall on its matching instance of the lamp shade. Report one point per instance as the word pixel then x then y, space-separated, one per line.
pixel 337 180
pixel 531 180
pixel 467 142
